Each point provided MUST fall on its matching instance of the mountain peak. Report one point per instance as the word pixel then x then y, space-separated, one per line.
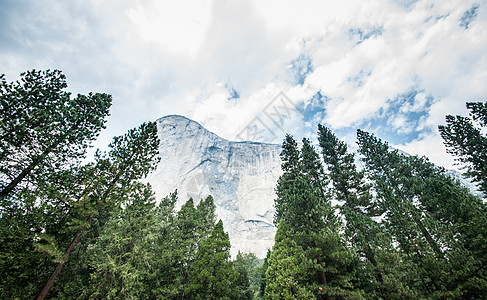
pixel 183 126
pixel 175 118
pixel 240 176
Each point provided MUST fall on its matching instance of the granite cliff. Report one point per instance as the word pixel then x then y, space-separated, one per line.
pixel 241 177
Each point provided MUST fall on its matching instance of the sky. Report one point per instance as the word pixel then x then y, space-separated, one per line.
pixel 256 70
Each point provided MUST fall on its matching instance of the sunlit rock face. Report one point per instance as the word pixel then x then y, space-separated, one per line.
pixel 241 177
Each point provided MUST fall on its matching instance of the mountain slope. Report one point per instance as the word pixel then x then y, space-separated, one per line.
pixel 241 177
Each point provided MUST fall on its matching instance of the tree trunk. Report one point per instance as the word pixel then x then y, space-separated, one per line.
pixel 77 238
pixel 11 186
pixel 60 266
pixel 323 281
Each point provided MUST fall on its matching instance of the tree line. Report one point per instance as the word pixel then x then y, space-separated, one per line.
pixel 399 228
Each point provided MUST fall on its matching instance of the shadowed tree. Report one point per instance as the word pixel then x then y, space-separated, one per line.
pixel 465 138
pixel 132 157
pixel 43 129
pixel 430 215
pixel 212 275
pixel 304 204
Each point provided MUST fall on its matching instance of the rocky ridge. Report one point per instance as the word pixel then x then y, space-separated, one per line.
pixel 241 177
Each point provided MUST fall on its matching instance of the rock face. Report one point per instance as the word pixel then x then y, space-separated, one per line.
pixel 241 177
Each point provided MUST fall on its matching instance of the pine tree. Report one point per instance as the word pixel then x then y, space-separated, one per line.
pixel 304 204
pixel 43 129
pixel 44 133
pixel 351 188
pixel 464 138
pixel 242 278
pixel 350 185
pixel 106 183
pixel 263 277
pixel 249 273
pixel 212 275
pixel 182 250
pixel 288 270
pixel 20 262
pixel 205 217
pixel 163 249
pixel 121 255
pixel 427 212
pixel 191 226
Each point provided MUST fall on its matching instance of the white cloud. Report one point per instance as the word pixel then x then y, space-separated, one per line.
pixel 158 58
pixel 178 27
pixel 430 145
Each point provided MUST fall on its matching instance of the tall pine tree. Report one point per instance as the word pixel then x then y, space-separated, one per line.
pixel 43 129
pixel 466 139
pixel 212 275
pixel 429 214
pixel 351 188
pixel 303 203
pixel 132 157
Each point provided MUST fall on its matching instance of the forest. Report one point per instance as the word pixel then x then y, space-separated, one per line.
pixel 399 228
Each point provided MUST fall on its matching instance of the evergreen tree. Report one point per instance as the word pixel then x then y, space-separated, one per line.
pixel 304 204
pixel 20 262
pixel 381 273
pixel 249 264
pixel 288 270
pixel 162 249
pixel 105 184
pixel 179 246
pixel 263 277
pixel 350 185
pixel 44 134
pixel 181 252
pixel 121 255
pixel 43 129
pixel 212 275
pixel 205 218
pixel 427 212
pixel 242 278
pixel 465 138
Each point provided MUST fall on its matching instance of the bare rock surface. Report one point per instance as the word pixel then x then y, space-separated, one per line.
pixel 241 177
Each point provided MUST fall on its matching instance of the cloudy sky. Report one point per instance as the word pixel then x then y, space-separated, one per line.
pixel 258 69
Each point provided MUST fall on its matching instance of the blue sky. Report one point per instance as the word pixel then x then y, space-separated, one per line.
pixel 392 67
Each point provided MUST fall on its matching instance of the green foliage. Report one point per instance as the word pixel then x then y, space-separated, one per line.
pixel 429 214
pixel 249 273
pixel 20 263
pixel 402 228
pixel 349 184
pixel 43 129
pixel 241 283
pixel 212 275
pixel 325 266
pixel 300 189
pixel 120 257
pixel 464 138
pixel 176 248
pixel 106 183
pixel 288 270
pixel 263 277
pixel 44 135
pixel 370 238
